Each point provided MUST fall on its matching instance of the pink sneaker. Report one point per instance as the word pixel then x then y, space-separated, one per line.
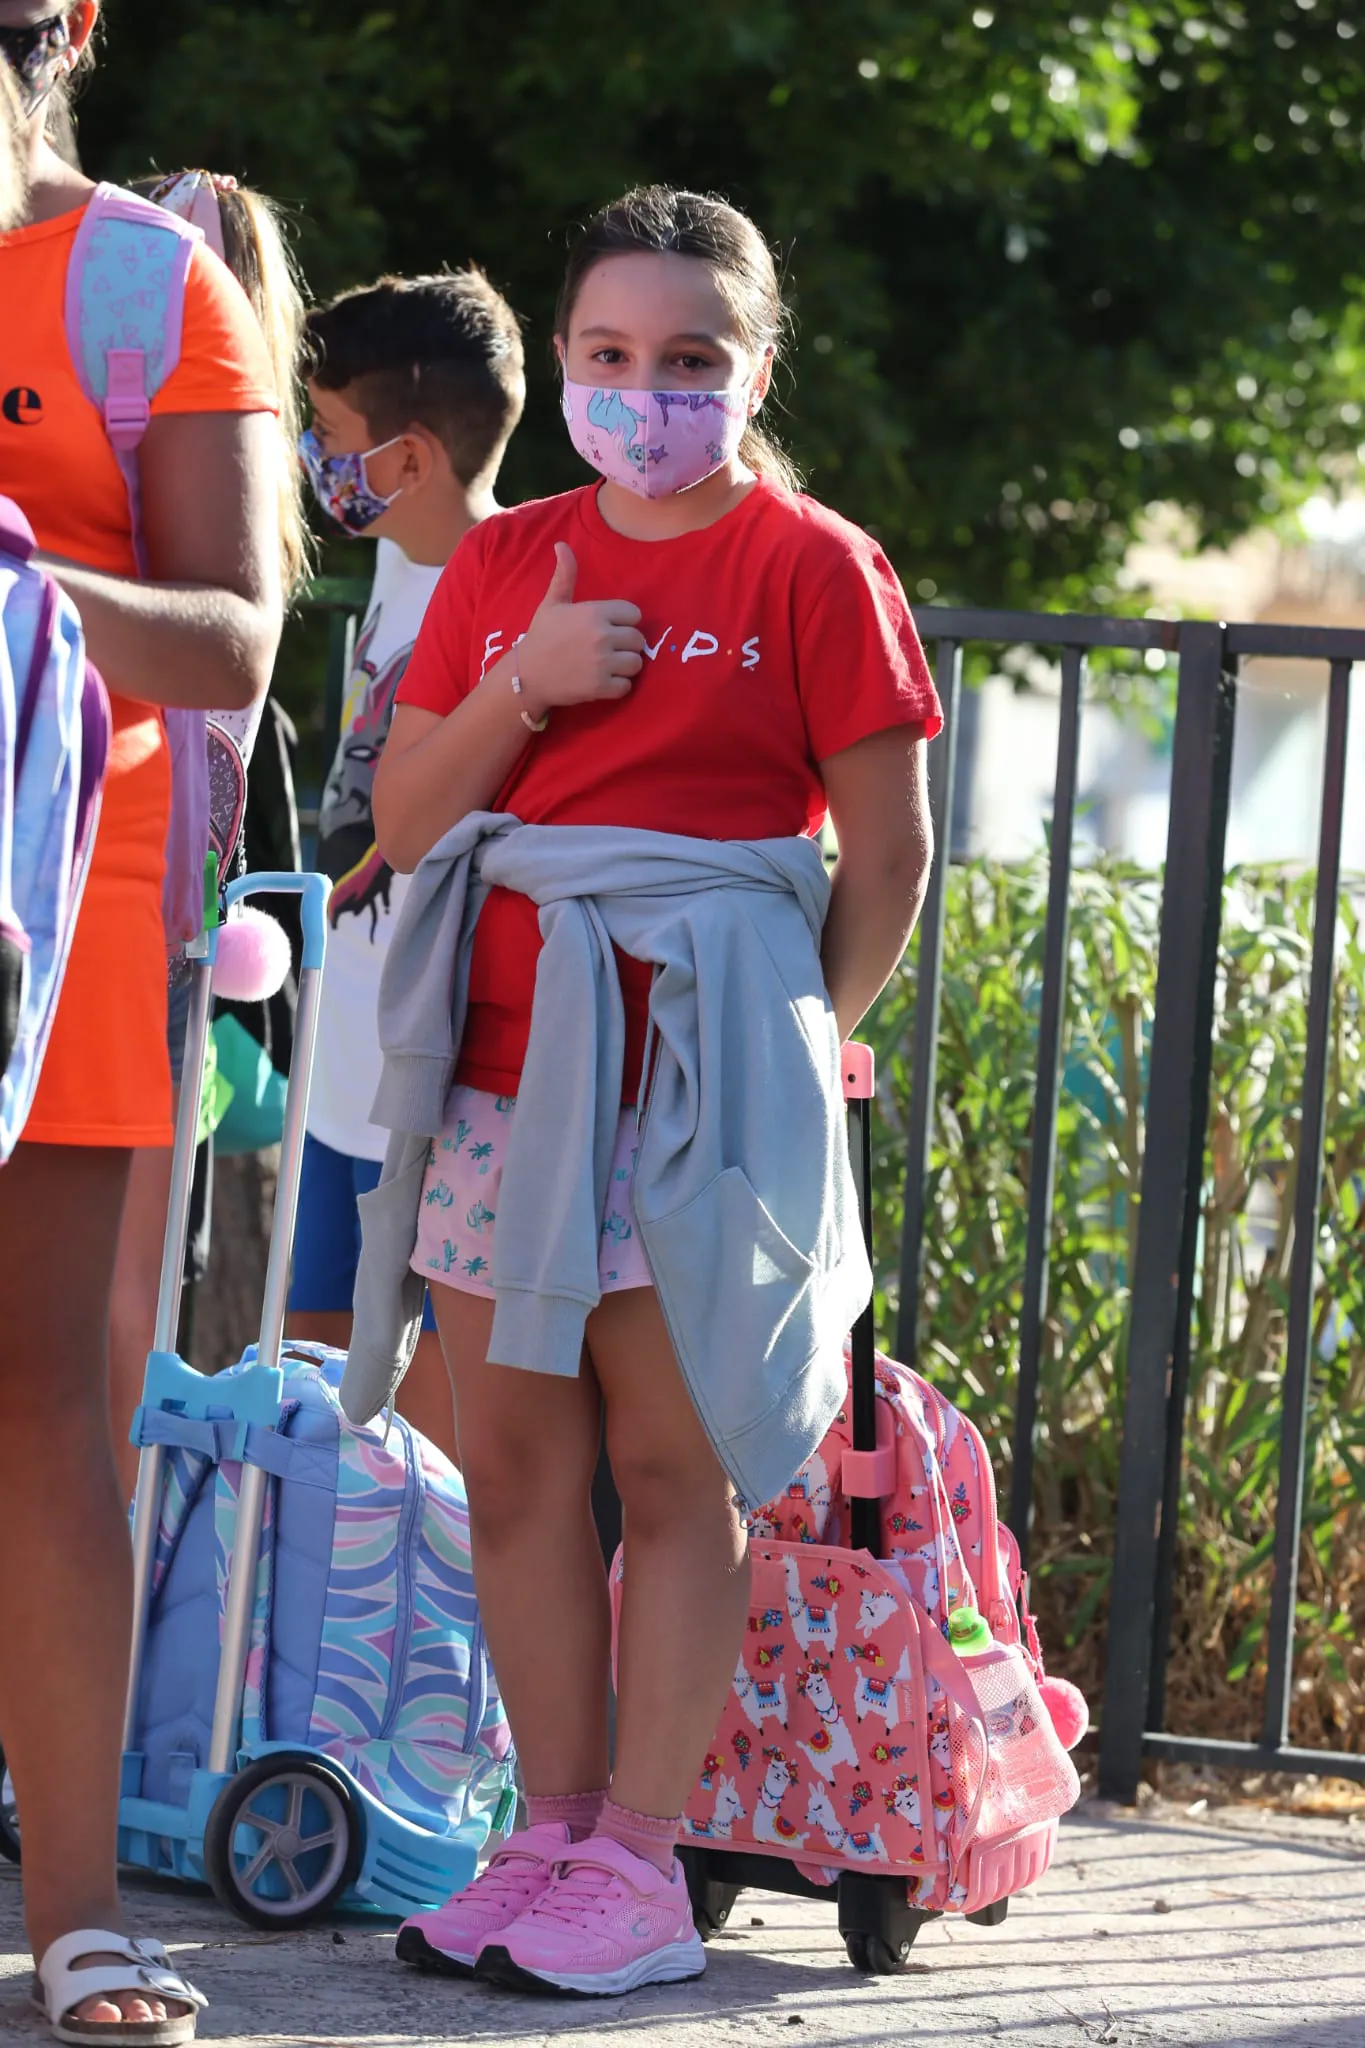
pixel 449 1939
pixel 607 1922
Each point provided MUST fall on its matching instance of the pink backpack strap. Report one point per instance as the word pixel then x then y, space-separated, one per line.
pixel 125 311
pixel 125 308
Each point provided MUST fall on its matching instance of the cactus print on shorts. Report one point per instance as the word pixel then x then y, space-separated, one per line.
pixel 464 1180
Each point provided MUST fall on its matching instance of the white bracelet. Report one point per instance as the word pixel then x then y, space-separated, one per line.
pixel 531 724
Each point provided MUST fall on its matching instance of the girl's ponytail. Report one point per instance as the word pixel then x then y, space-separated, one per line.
pixel 255 251
pixel 661 221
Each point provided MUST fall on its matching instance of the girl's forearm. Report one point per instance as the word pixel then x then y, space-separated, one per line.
pixel 423 788
pixel 871 918
pixel 173 644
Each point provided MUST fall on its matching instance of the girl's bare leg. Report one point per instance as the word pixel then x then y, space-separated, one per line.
pixel 65 1557
pixel 686 1559
pixel 132 1311
pixel 528 1446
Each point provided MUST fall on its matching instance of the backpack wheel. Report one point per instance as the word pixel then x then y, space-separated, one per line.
pixel 712 1901
pixel 873 1957
pixel 9 1815
pixel 284 1841
pixel 990 1916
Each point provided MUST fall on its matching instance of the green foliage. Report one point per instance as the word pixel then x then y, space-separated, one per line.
pixel 1050 261
pixel 975 1263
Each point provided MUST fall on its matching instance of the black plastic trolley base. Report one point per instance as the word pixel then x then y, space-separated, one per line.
pixel 876 1921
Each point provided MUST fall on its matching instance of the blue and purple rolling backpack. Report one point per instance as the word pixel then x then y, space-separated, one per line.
pixel 54 745
pixel 366 1648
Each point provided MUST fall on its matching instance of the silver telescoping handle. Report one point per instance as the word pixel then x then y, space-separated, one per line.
pixel 246 1546
pixel 151 1460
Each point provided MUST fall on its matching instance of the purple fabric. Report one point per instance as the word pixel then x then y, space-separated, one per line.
pixel 187 833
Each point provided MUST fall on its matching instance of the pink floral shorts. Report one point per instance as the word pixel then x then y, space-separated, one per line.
pixel 460 1199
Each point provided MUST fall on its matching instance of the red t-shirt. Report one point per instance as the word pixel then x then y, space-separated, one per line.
pixel 775 638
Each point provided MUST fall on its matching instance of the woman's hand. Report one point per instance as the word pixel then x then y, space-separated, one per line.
pixel 577 653
pixel 878 795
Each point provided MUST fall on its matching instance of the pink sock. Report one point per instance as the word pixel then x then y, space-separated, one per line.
pixel 646 1837
pixel 578 1810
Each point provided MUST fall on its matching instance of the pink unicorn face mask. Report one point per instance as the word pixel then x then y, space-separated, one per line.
pixel 655 442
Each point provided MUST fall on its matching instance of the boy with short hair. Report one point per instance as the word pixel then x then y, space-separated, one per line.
pixel 416 386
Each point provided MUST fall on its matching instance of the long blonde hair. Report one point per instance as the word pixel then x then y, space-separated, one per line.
pixel 13 177
pixel 258 255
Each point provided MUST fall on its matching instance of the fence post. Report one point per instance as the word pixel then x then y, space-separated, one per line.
pixel 1047 1088
pixel 1172 1176
pixel 928 985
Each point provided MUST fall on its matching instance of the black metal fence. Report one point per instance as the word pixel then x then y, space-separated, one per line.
pixel 1208 659
pixel 1159 1334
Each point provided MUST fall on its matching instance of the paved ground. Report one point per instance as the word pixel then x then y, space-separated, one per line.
pixel 1238 1927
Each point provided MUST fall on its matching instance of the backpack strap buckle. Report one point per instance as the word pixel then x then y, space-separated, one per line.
pixel 127 410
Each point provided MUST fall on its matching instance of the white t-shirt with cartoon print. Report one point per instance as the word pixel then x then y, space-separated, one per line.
pixel 366 893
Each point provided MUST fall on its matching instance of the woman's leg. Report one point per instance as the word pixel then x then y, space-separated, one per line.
pixel 65 1557
pixel 132 1308
pixel 528 1446
pixel 687 1570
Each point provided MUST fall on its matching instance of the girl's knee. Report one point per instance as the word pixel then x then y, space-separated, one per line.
pixel 665 1485
pixel 515 1477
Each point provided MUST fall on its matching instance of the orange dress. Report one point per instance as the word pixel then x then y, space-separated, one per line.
pixel 106 1074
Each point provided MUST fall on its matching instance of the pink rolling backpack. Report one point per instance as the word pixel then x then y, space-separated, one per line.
pixel 890 1741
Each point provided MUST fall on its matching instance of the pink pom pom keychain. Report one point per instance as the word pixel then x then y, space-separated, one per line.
pixel 1066 1704
pixel 253 957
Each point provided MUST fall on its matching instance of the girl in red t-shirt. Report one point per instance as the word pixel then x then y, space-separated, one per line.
pixel 688 646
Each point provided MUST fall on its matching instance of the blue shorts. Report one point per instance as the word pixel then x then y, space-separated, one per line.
pixel 327 1237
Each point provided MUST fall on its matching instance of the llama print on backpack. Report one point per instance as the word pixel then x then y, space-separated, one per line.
pixel 832 1743
pixel 812 1623
pixel 762 1698
pixel 865 1845
pixel 770 1823
pixel 729 1808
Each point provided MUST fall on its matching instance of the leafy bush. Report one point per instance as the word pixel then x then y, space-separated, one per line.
pixel 974 1265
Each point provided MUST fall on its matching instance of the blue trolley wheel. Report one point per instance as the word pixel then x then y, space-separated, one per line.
pixel 284 1840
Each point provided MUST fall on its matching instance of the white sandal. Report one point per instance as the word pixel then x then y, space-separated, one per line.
pixel 66 1978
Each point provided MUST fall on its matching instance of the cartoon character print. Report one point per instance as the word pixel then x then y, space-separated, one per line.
pixel 762 1698
pixel 832 1744
pixel 727 1810
pixel 812 1623
pixel 770 1823
pixel 875 1693
pixel 362 880
pixel 874 1610
pixel 811 1490
pixel 902 1798
pixel 864 1843
pixel 619 422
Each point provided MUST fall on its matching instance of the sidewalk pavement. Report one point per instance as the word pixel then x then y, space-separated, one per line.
pixel 1235 1927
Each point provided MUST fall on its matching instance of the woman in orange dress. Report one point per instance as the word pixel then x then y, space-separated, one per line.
pixel 200 630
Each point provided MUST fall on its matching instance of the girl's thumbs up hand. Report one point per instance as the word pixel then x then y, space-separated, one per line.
pixel 576 653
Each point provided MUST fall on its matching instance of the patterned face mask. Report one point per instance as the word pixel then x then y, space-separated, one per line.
pixel 37 57
pixel 341 486
pixel 655 442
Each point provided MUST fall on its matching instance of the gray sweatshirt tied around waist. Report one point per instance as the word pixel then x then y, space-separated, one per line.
pixel 743 1194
